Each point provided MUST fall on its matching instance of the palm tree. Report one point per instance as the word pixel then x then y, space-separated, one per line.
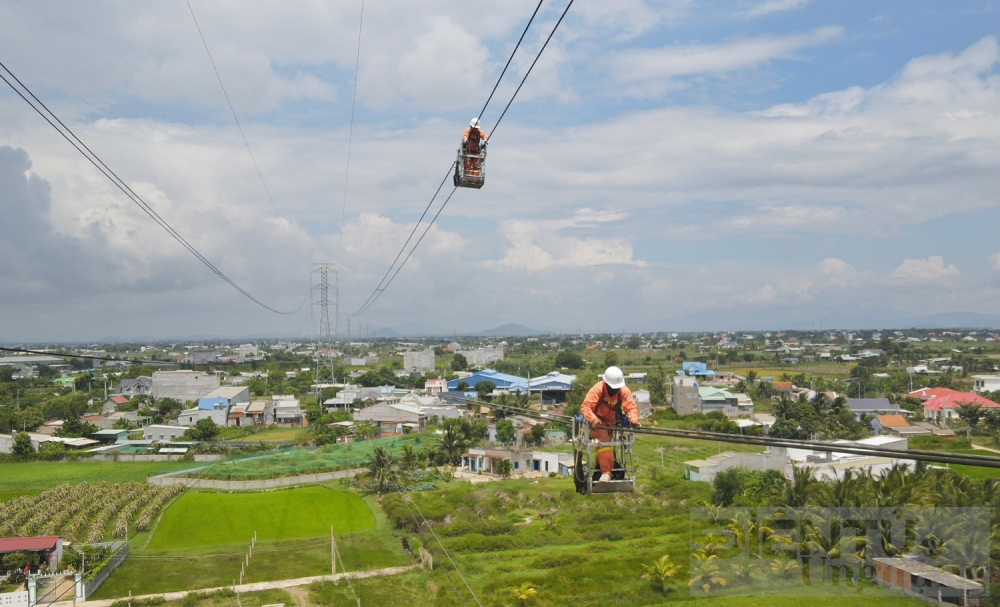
pixel 410 458
pixel 798 492
pixel 660 572
pixel 784 568
pixel 744 572
pixel 381 469
pixel 706 573
pixel 523 593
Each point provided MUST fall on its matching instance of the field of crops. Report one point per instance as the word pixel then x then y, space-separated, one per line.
pixel 300 460
pixel 85 512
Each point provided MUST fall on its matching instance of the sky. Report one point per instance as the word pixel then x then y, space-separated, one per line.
pixel 667 164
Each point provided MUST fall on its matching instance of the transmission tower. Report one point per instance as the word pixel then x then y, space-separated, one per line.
pixel 324 350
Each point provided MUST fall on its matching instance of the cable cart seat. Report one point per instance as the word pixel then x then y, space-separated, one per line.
pixel 586 473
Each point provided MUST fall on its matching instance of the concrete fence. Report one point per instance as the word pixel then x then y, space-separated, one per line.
pixel 177 478
pixel 152 457
pixel 92 586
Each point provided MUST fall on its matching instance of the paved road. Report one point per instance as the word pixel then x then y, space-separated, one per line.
pixel 258 586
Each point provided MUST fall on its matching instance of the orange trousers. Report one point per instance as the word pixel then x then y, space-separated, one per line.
pixel 605 454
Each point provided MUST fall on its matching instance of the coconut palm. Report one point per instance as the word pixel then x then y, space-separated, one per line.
pixel 409 458
pixel 660 572
pixel 784 568
pixel 381 470
pixel 798 492
pixel 705 572
pixel 524 593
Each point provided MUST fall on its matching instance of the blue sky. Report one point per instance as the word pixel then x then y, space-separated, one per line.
pixel 735 159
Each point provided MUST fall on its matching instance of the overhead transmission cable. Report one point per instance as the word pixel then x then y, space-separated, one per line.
pixel 242 134
pixel 67 134
pixel 350 134
pixel 383 285
pixel 509 59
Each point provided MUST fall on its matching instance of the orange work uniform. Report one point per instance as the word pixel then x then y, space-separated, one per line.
pixel 601 409
pixel 470 144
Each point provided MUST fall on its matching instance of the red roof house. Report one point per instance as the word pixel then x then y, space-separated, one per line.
pixel 942 403
pixel 50 547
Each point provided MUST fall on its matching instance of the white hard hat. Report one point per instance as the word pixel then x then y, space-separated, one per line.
pixel 474 123
pixel 614 378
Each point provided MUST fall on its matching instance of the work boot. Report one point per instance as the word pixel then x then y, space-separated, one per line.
pixel 605 478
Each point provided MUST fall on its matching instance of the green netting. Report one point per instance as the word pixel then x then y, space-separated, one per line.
pixel 295 461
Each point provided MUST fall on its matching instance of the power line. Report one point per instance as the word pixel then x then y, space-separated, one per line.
pixel 511 58
pixel 380 288
pixel 350 133
pixel 242 134
pixel 528 73
pixel 99 164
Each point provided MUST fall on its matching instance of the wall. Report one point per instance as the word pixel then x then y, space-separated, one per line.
pixel 91 587
pixel 152 457
pixel 183 385
pixel 419 361
pixel 174 478
pixel 685 400
pixel 14 599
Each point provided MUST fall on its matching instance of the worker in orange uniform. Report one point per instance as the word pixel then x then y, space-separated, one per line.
pixel 472 139
pixel 605 401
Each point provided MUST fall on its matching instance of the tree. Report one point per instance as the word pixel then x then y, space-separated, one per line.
pixel 380 469
pixel 970 412
pixel 457 436
pixel 658 388
pixel 205 429
pixel 74 428
pixel 504 468
pixel 611 359
pixel 506 431
pixel 538 434
pixel 459 363
pixel 660 572
pixel 257 386
pixel 523 593
pixel 634 342
pixel 22 445
pixel 169 407
pixel 410 458
pixel 365 431
pixel 570 360
pixel 463 386
pixel 485 388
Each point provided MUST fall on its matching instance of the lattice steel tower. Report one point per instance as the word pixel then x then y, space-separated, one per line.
pixel 326 336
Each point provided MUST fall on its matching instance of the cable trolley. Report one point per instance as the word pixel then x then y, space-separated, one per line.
pixel 587 474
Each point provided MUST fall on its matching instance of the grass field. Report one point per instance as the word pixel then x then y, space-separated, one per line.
pixel 149 570
pixel 229 518
pixel 34 477
pixel 9 495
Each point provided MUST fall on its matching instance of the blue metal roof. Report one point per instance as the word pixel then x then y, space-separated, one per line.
pixel 502 380
pixel 217 402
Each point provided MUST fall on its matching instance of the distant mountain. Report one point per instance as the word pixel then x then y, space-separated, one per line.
pixel 805 319
pixel 511 330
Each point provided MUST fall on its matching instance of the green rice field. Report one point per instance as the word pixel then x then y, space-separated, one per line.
pixel 205 519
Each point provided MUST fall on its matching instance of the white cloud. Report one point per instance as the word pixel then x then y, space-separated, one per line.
pixel 542 245
pixel 837 271
pixel 921 271
pixel 774 6
pixel 683 60
pixel 995 261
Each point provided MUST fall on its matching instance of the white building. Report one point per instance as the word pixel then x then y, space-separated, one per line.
pixel 481 357
pixel 422 361
pixel 183 386
pixel 986 383
pixel 162 433
pixel 233 394
pixel 248 351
